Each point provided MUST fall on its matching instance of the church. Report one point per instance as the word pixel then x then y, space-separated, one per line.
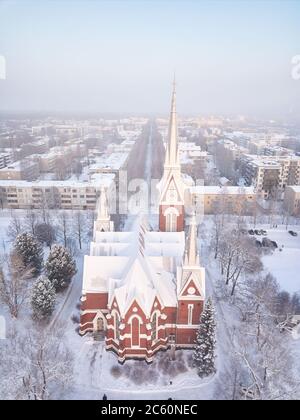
pixel 144 291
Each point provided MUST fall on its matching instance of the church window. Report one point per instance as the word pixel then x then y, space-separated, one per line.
pixel 154 322
pixel 135 332
pixel 117 327
pixel 190 314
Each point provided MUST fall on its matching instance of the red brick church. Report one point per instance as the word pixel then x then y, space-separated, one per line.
pixel 144 291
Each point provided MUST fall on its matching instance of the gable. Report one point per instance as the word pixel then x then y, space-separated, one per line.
pixel 135 309
pixel 191 288
pixel 171 192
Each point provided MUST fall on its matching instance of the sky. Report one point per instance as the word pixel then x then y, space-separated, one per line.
pixel 230 57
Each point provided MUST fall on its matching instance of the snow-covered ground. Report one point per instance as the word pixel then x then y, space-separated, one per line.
pixel 284 262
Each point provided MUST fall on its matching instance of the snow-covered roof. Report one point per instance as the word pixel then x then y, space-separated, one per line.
pixel 136 265
pixel 228 190
pixel 98 270
pixel 295 188
pixel 96 181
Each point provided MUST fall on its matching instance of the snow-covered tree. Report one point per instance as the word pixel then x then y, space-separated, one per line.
pixel 43 298
pixel 204 353
pixel 60 267
pixel 38 364
pixel 30 250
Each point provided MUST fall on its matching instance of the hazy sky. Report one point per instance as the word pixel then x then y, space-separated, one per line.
pixel 120 56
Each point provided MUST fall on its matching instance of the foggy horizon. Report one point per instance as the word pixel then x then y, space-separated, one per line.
pixel 119 57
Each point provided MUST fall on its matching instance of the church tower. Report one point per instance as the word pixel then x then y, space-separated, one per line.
pixel 190 289
pixel 103 222
pixel 171 205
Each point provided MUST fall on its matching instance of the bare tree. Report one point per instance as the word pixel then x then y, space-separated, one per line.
pixel 63 227
pixel 31 221
pixel 80 227
pixel 14 283
pixel 14 227
pixel 45 233
pixel 218 227
pixel 44 206
pixel 238 256
pixel 258 298
pixel 38 365
pixel 268 365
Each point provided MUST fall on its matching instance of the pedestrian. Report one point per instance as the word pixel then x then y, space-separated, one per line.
pixel 104 397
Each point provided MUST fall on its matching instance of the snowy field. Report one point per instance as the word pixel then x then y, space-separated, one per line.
pixel 284 262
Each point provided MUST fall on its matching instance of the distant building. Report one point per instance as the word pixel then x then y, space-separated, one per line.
pixel 21 170
pixel 292 200
pixel 5 159
pixel 226 199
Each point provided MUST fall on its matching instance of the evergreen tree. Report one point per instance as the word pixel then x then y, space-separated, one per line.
pixel 43 298
pixel 30 250
pixel 60 267
pixel 204 353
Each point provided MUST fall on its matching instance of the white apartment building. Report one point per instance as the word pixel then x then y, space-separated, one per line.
pixel 54 194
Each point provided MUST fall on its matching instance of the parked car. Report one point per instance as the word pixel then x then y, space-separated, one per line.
pixel 258 243
pixel 291 232
pixel 274 244
pixel 263 232
pixel 251 232
pixel 267 243
pixel 257 232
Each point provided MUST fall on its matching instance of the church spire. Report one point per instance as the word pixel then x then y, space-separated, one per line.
pixel 103 222
pixel 102 208
pixel 191 253
pixel 172 153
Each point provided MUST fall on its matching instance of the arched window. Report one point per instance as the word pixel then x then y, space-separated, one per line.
pixel 154 325
pixel 135 332
pixel 171 215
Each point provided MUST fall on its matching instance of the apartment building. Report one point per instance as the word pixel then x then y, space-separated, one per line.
pixel 54 194
pixel 292 200
pixel 21 170
pixel 270 175
pixel 228 199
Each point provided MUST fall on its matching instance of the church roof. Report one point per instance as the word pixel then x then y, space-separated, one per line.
pixel 135 265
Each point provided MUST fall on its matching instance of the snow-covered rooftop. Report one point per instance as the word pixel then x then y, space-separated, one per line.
pixel 95 181
pixel 229 190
